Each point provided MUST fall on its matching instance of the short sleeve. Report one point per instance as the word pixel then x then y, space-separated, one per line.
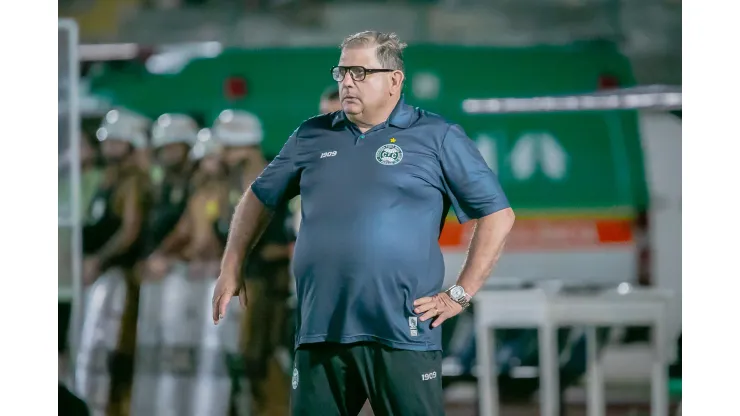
pixel 279 182
pixel 471 185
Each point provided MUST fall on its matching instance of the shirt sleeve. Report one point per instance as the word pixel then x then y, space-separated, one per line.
pixel 279 182
pixel 472 187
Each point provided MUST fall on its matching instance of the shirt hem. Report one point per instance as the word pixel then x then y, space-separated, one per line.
pixel 399 345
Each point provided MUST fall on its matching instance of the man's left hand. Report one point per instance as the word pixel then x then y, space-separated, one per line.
pixel 439 305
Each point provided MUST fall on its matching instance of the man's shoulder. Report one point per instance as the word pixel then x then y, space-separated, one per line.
pixel 314 124
pixel 430 119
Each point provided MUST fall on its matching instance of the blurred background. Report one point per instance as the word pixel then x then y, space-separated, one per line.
pixel 167 108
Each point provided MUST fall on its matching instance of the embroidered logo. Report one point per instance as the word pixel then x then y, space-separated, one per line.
pixel 389 154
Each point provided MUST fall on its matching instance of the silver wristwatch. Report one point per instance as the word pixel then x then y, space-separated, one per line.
pixel 457 293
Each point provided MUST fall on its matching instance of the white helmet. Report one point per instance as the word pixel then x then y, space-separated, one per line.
pixel 205 146
pixel 174 128
pixel 238 128
pixel 123 124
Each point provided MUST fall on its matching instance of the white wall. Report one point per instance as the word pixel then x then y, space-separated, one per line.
pixel 661 141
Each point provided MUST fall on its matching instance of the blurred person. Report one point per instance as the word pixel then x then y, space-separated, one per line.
pixel 329 102
pixel 194 233
pixel 114 221
pixel 90 176
pixel 376 181
pixel 172 138
pixel 113 236
pixel 266 272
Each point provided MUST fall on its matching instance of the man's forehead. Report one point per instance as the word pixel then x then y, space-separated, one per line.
pixel 359 56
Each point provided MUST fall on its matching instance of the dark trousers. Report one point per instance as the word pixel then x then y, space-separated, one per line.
pixel 337 379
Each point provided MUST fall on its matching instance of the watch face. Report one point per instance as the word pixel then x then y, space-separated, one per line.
pixel 457 292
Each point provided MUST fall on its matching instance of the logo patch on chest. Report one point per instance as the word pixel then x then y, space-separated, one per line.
pixel 389 154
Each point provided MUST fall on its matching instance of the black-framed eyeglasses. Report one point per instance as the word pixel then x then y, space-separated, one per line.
pixel 358 73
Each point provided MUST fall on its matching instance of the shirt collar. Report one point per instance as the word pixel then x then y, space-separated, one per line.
pixel 401 117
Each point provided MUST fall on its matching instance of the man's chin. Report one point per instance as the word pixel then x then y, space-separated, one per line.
pixel 352 109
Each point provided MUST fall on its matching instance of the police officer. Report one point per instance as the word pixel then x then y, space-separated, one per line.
pixel 376 181
pixel 266 274
pixel 173 136
pixel 195 232
pixel 113 234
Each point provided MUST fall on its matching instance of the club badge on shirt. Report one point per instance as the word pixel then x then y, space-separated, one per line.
pixel 389 154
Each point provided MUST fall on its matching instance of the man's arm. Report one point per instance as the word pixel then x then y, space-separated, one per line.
pixel 485 249
pixel 250 220
pixel 475 193
pixel 277 183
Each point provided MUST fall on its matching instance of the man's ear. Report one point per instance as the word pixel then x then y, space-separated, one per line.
pixel 397 78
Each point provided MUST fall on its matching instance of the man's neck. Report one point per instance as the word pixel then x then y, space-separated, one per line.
pixel 365 121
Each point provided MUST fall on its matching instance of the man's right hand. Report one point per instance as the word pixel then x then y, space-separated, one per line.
pixel 228 285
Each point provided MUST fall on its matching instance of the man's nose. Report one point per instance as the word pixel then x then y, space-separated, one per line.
pixel 347 81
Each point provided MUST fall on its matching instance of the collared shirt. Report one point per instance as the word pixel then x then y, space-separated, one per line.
pixel 372 207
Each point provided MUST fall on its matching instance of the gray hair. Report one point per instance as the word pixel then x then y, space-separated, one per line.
pixel 388 47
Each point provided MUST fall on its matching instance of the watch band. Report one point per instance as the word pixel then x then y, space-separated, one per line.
pixel 463 301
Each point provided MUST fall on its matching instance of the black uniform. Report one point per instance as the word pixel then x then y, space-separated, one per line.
pixel 168 208
pixel 102 223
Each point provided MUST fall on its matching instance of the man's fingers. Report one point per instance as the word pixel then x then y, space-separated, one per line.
pixel 422 301
pixel 243 297
pixel 428 315
pixel 219 306
pixel 441 318
pixel 424 307
pixel 222 304
pixel 216 300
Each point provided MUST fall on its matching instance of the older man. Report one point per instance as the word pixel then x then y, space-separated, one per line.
pixel 376 181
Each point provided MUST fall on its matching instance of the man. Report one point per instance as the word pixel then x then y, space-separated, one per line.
pixel 113 237
pixel 114 222
pixel 266 273
pixel 194 238
pixel 329 102
pixel 173 135
pixel 376 181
